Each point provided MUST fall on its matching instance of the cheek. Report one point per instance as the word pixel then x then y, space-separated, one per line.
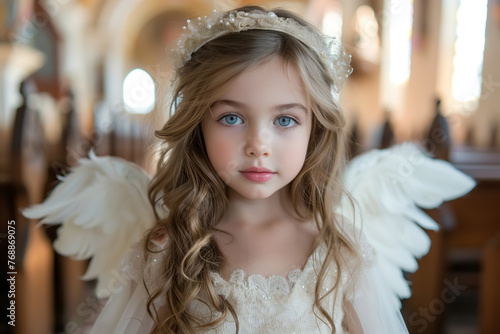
pixel 294 156
pixel 295 160
pixel 221 151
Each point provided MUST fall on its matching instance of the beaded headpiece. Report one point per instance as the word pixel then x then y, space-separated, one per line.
pixel 203 30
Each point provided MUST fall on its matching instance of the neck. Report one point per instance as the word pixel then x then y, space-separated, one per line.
pixel 243 213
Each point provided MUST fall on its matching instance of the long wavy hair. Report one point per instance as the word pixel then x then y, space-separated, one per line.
pixel 190 189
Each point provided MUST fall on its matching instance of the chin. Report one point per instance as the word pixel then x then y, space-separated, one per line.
pixel 256 194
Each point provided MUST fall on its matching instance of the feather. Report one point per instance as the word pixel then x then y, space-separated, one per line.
pixel 103 207
pixel 389 187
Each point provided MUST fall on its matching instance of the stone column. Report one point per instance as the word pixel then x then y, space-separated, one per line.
pixel 16 63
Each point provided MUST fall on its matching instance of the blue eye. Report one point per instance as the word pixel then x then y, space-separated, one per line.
pixel 285 121
pixel 231 120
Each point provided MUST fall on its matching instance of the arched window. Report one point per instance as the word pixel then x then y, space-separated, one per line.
pixel 138 92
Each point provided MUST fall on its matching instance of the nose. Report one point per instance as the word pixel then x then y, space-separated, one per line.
pixel 258 144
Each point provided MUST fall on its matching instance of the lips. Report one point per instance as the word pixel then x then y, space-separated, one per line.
pixel 256 170
pixel 258 174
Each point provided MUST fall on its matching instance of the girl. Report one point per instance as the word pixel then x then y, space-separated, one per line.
pixel 253 230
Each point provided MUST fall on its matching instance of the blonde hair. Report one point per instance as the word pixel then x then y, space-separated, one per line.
pixel 188 186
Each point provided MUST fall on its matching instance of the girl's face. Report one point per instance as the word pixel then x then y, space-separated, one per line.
pixel 256 134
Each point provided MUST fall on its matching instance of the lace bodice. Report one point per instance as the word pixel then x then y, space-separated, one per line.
pixel 274 304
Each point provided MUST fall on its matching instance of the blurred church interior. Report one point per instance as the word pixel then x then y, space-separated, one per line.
pixel 77 75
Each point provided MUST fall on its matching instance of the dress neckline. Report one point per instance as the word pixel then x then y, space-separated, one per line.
pixel 271 288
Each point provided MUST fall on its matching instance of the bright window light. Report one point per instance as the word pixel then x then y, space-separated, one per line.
pixel 332 23
pixel 469 50
pixel 138 92
pixel 400 40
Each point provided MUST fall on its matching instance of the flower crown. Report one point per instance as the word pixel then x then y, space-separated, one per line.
pixel 203 30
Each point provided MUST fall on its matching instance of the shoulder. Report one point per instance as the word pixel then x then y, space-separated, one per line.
pixel 144 261
pixel 364 252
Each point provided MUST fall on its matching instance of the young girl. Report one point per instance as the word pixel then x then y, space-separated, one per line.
pixel 252 230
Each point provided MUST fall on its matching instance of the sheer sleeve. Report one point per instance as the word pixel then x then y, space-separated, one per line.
pixel 371 300
pixel 126 310
pixel 373 306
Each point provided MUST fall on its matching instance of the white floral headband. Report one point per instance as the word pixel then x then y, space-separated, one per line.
pixel 203 30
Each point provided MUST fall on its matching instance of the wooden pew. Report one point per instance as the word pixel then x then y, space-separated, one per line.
pixel 465 251
pixel 490 289
pixel 478 226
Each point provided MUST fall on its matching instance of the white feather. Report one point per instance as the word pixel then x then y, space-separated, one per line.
pixel 103 207
pixel 388 188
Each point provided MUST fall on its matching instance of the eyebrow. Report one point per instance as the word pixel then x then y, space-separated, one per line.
pixel 280 107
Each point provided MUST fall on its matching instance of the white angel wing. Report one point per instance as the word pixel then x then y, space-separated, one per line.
pixel 388 188
pixel 104 208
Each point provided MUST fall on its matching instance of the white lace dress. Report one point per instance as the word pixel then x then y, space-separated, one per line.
pixel 264 305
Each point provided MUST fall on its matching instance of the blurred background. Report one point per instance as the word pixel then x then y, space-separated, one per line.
pixel 77 75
